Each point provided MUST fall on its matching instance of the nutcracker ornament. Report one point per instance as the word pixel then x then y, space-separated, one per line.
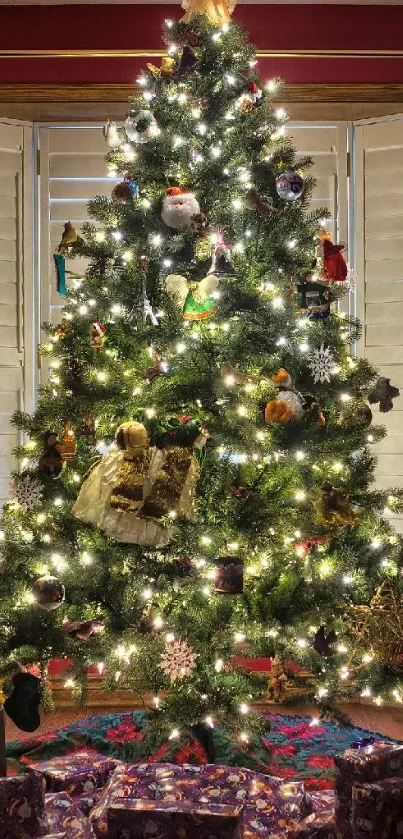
pixel 98 334
pixel 88 432
pixel 68 445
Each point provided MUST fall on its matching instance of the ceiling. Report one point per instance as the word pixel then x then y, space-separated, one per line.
pixel 149 2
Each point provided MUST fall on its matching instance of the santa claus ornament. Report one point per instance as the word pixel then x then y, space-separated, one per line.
pixel 178 208
pixel 334 265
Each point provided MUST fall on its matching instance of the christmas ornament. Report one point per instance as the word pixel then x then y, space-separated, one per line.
pixel 136 486
pixel 228 575
pixel 60 267
pixel 195 298
pixel 378 626
pixel 178 208
pixel 289 185
pixel 141 126
pixel 98 334
pixel 202 248
pixel 178 659
pixel 313 411
pixel 83 629
pixel 22 706
pixel 383 392
pixel 357 412
pixel 253 201
pixel 315 298
pixel 143 305
pixel 69 237
pixel 111 135
pixel 351 279
pixel 282 379
pixel 158 369
pixel 188 60
pixel 217 11
pixel 221 264
pixel 49 592
pixel 234 376
pixel 68 445
pixel 199 223
pixel 332 506
pixel 247 101
pixel 51 462
pixel 309 544
pixel 63 331
pixel 334 265
pixel 323 642
pixel 166 69
pixel 181 432
pixel 321 364
pixel 288 406
pixel 26 491
pixel 88 431
pixel 122 192
pixel 277 683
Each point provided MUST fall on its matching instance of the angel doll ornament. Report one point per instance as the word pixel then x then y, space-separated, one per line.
pixel 217 11
pixel 131 491
pixel 197 299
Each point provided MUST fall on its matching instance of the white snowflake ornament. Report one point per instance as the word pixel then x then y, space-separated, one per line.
pixel 178 659
pixel 321 364
pixel 26 492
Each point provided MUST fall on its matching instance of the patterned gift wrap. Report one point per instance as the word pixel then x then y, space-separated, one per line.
pixel 134 819
pixel 126 782
pixel 276 798
pixel 22 800
pixel 378 809
pixel 88 800
pixel 316 826
pixel 321 800
pixel 77 773
pixel 367 765
pixel 62 815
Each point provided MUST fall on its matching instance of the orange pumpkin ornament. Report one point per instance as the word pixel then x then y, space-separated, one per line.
pixel 277 411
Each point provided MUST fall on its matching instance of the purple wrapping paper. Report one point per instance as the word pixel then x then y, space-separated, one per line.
pixel 269 802
pixel 319 800
pixel 22 800
pixel 87 800
pixel 318 825
pixel 368 765
pixel 377 809
pixel 77 773
pixel 62 815
pixel 134 819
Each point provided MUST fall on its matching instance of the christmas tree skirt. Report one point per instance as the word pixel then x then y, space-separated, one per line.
pixel 292 748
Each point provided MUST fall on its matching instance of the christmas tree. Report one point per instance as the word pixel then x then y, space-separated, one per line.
pixel 196 483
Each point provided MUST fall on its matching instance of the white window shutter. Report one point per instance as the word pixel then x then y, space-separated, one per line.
pixel 17 363
pixel 379 252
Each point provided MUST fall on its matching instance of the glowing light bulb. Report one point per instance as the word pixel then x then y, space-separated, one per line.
pixel 219 664
pixel 244 708
pixel 158 622
pixel 302 643
pixel 271 85
pixel 239 637
pixel 205 540
pixel 58 502
pixel 174 734
pixel 147 594
pixel 300 455
pixel 241 410
pixel 102 376
pixel 300 495
pixel 180 348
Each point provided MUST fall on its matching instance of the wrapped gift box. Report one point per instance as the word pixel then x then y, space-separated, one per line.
pixel 87 800
pixel 318 825
pixel 80 772
pixel 322 799
pixel 125 782
pixel 134 819
pixel 277 798
pixel 368 765
pixel 62 815
pixel 377 809
pixel 22 799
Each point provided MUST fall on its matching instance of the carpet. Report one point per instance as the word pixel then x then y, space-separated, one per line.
pixel 292 748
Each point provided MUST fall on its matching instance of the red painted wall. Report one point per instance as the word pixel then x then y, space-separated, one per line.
pixel 138 27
